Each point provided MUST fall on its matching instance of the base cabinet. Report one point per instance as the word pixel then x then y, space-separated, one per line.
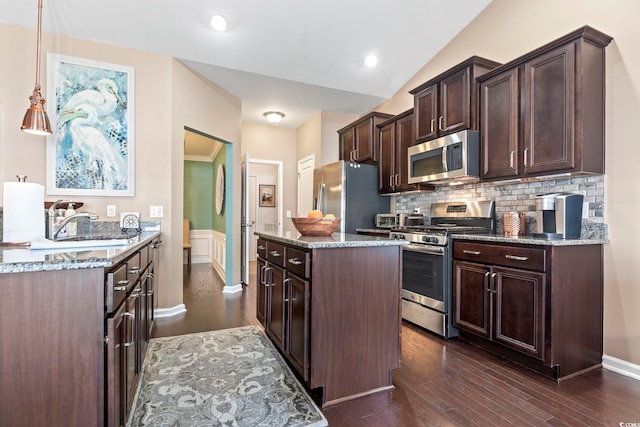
pixel 331 300
pixel 540 306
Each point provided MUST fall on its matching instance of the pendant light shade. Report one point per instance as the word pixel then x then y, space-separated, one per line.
pixel 35 120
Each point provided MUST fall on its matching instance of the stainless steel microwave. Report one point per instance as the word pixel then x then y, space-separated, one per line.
pixel 451 159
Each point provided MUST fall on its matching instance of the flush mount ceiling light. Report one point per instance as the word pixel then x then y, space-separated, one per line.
pixel 370 60
pixel 218 22
pixel 273 116
pixel 35 120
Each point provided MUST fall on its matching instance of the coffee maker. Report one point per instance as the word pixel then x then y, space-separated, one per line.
pixel 558 216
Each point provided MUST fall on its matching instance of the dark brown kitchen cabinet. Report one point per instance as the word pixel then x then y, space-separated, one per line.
pixel 283 301
pixel 327 326
pixel 359 140
pixel 447 103
pixel 396 135
pixel 543 113
pixel 539 306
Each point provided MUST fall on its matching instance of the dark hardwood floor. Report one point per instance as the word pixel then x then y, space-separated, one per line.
pixel 440 383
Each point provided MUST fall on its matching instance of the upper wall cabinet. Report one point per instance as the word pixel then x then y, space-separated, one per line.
pixel 359 140
pixel 543 113
pixel 447 103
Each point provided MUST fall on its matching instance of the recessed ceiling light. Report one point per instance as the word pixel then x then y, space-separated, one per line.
pixel 218 22
pixel 371 60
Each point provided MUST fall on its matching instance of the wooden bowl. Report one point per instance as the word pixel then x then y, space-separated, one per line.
pixel 315 226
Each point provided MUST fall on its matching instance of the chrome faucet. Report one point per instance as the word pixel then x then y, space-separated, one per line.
pixel 53 229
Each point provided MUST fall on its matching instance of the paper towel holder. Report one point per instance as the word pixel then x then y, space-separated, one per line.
pixel 22 178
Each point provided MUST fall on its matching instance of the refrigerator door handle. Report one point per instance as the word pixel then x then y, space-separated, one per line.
pixel 321 197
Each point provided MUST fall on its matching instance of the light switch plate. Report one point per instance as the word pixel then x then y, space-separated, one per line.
pixel 111 210
pixel 156 211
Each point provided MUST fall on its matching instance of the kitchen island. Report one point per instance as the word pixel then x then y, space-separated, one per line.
pixel 331 305
pixel 74 324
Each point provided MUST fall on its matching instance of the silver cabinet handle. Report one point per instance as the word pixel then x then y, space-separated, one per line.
pixel 134 270
pixel 433 125
pixel 275 253
pixel 512 156
pixel 295 261
pixel 397 179
pixel 129 343
pixel 486 281
pixel 260 247
pixel 526 154
pixel 516 258
pixel 493 282
pixel 468 252
pixel 123 285
pixel 390 180
pixel 440 120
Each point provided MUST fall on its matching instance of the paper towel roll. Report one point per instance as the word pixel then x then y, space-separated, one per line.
pixel 23 211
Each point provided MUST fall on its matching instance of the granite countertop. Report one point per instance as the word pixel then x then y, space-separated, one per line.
pixel 18 260
pixel 530 240
pixel 336 240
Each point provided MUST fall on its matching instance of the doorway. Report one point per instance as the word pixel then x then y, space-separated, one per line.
pixel 305 185
pixel 265 218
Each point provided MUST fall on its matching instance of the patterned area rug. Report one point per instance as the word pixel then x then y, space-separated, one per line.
pixel 231 377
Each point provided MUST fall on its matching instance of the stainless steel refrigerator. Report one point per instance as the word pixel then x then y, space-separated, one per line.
pixel 349 192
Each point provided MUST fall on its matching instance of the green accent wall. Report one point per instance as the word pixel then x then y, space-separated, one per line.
pixel 219 221
pixel 199 201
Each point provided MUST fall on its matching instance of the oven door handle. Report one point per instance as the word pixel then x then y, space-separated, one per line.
pixel 425 249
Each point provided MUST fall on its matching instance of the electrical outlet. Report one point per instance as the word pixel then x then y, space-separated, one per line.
pixel 156 211
pixel 585 210
pixel 288 214
pixel 111 210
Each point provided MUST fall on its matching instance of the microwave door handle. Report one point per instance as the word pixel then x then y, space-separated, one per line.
pixel 445 167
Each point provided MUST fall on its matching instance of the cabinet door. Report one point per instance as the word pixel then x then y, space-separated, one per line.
pixel 132 313
pixel 347 144
pixel 261 291
pixel 143 321
pixel 365 151
pixel 425 104
pixel 472 298
pixel 116 396
pixel 298 324
pixel 499 107
pixel 549 111
pixel 404 139
pixel 386 161
pixel 455 102
pixel 276 312
pixel 520 310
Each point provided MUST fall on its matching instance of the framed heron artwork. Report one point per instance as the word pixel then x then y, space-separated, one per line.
pixel 92 149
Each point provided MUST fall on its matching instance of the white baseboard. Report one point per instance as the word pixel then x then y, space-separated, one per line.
pixel 621 366
pixel 231 289
pixel 160 313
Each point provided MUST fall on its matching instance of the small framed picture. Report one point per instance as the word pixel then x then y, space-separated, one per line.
pixel 267 194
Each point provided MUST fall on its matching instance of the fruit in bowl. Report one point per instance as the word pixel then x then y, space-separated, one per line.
pixel 316 224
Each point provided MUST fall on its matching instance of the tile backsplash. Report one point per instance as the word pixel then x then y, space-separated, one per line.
pixel 518 197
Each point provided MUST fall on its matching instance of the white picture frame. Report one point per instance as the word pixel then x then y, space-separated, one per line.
pixel 91 108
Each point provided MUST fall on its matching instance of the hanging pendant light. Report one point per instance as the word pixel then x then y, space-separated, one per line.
pixel 35 120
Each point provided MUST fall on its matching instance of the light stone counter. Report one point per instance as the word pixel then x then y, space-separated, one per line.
pixel 18 260
pixel 336 240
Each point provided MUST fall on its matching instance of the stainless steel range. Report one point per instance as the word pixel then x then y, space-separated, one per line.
pixel 427 261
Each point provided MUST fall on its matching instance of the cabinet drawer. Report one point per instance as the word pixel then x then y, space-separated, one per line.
pixel 527 258
pixel 134 267
pixel 262 248
pixel 298 262
pixel 275 253
pixel 116 288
